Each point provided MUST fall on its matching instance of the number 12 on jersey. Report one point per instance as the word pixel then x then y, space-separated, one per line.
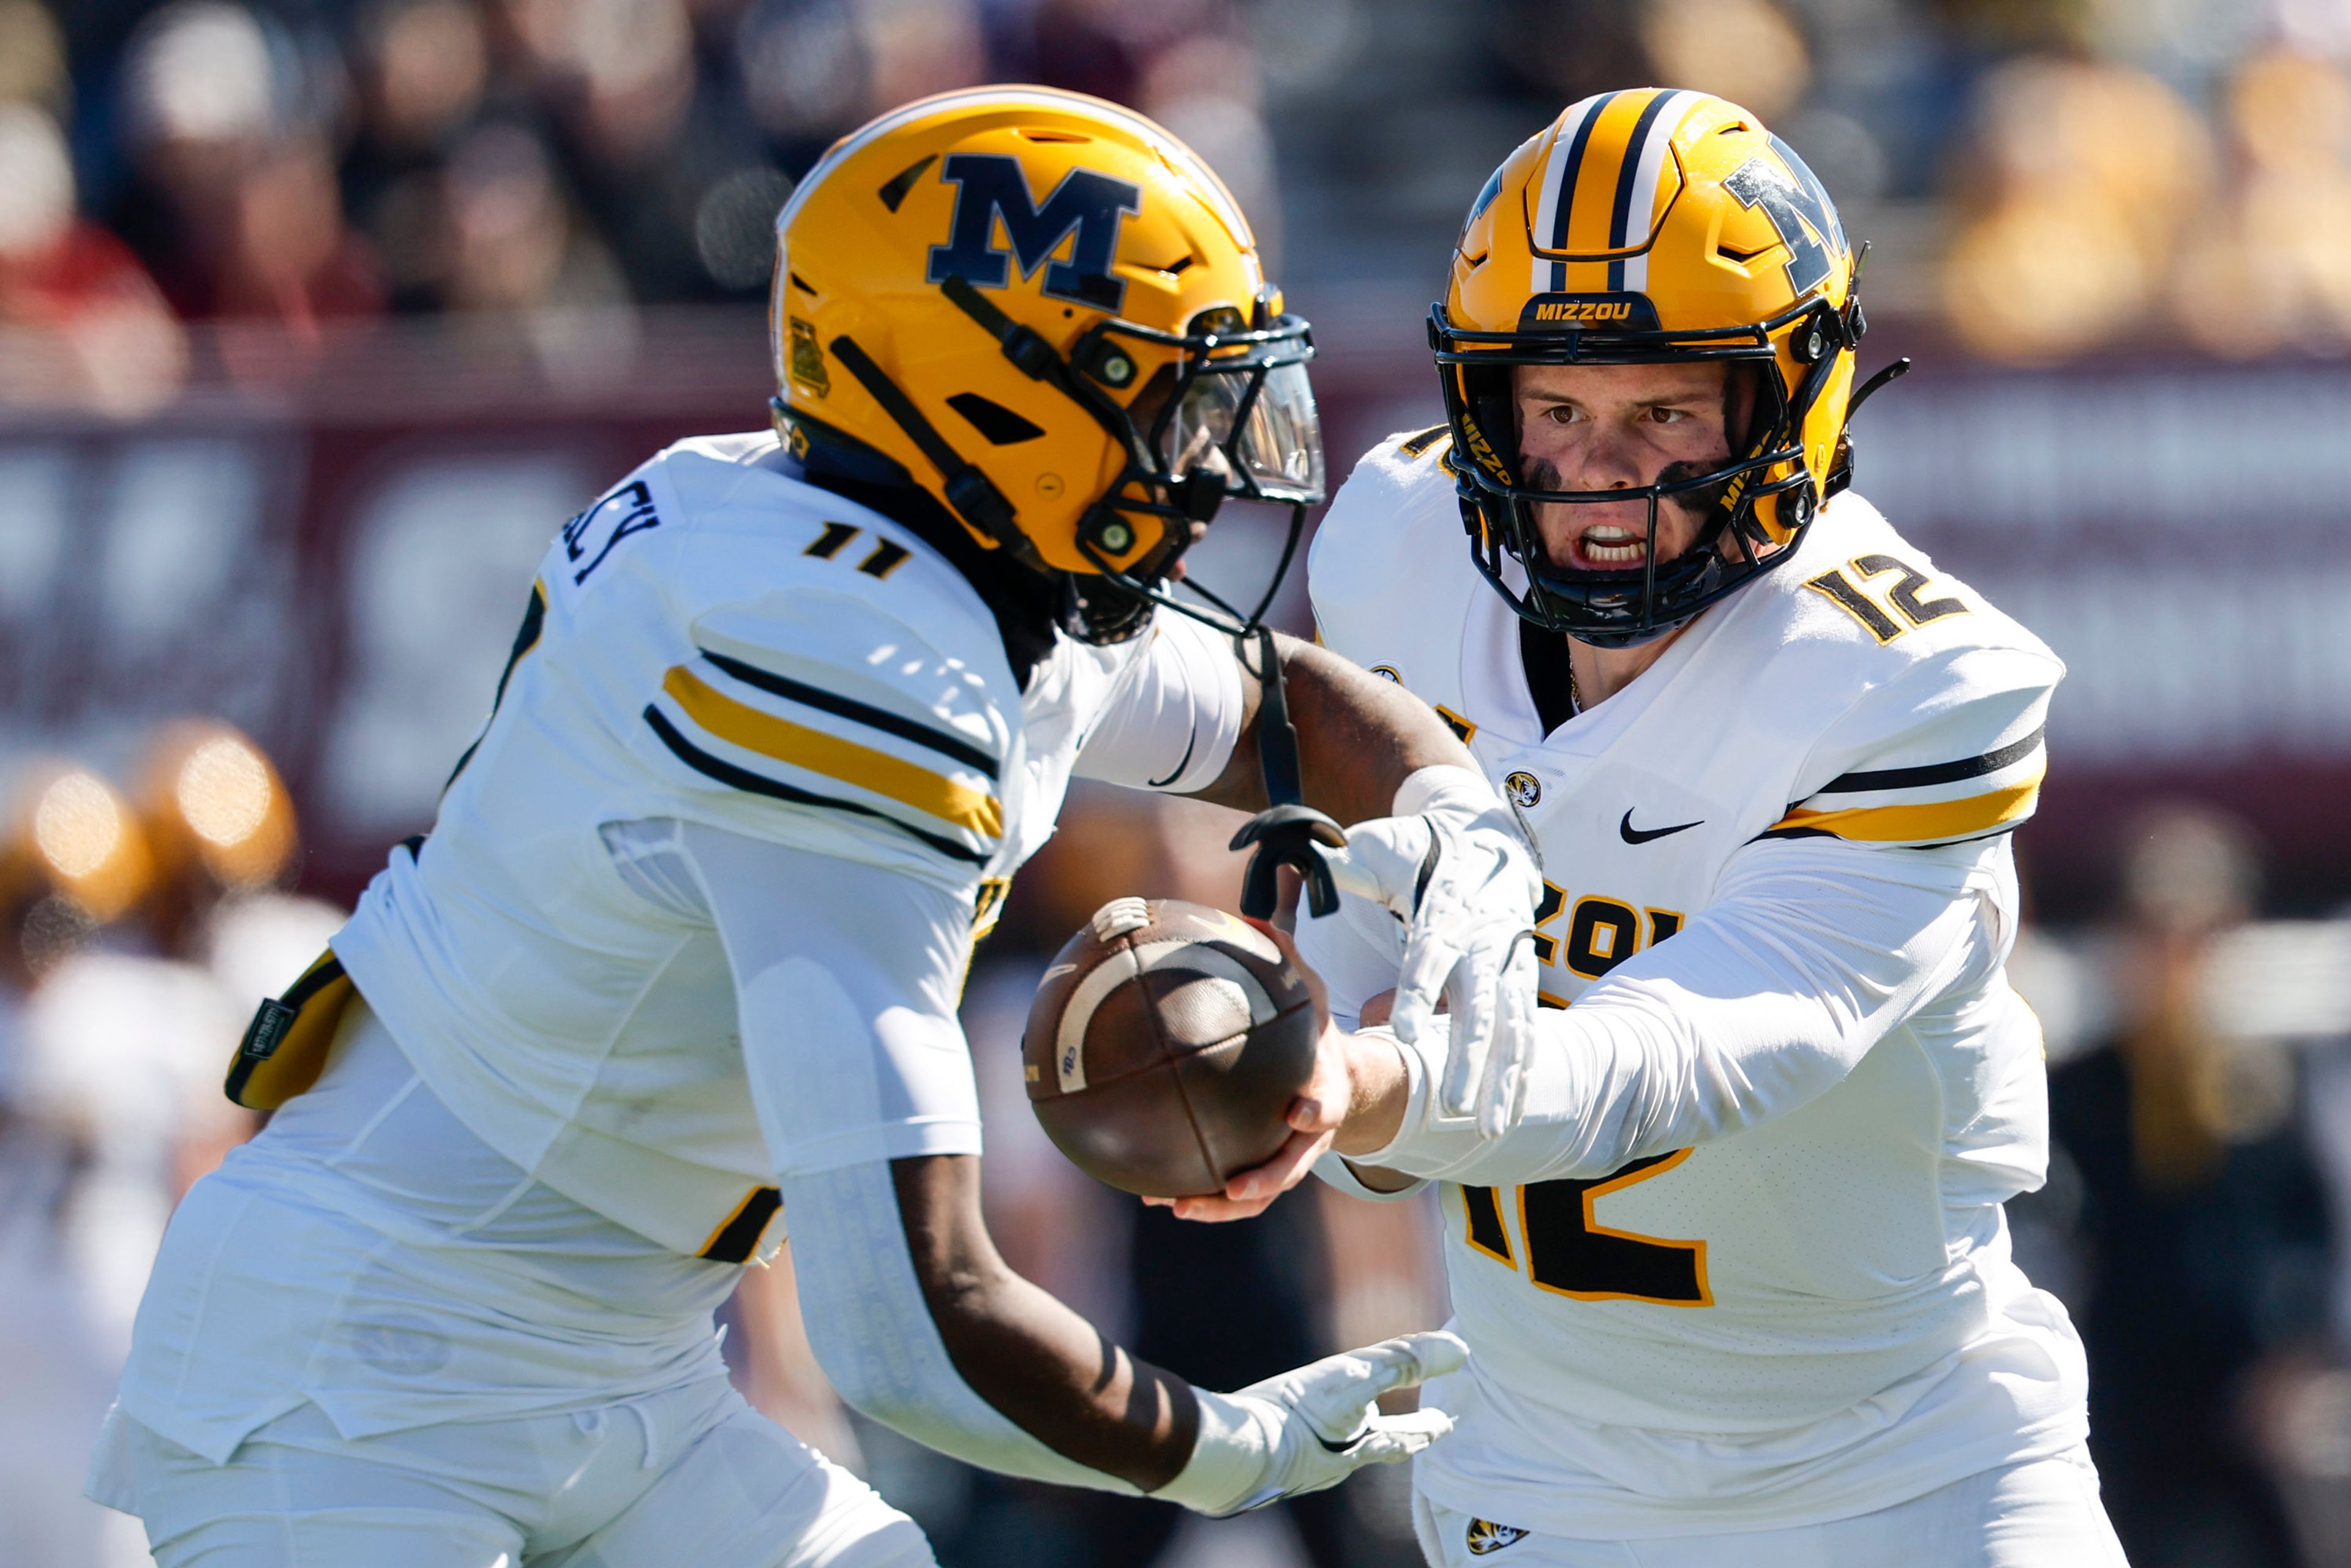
pixel 1570 1253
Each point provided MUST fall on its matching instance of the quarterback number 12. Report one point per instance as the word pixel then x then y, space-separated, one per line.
pixel 1835 586
pixel 1570 1253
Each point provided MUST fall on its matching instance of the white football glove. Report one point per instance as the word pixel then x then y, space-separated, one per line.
pixel 1458 874
pixel 1313 1428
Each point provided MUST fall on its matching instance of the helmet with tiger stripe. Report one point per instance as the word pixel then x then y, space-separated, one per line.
pixel 1647 226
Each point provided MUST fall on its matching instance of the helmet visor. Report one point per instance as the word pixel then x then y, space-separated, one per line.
pixel 1254 424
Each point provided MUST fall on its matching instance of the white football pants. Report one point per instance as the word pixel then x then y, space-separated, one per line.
pixel 2043 1514
pixel 691 1475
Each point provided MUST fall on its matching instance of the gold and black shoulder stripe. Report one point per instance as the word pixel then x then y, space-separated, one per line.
pixel 729 774
pixel 737 1236
pixel 866 714
pixel 1993 761
pixel 2010 775
pixel 1416 446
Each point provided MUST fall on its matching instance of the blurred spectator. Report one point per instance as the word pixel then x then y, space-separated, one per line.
pixel 81 322
pixel 136 937
pixel 509 240
pixel 2203 1228
pixel 635 144
pixel 32 56
pixel 2082 177
pixel 1567 50
pixel 221 828
pixel 1746 50
pixel 235 207
pixel 1102 46
pixel 1750 51
pixel 621 71
pixel 2273 270
pixel 1209 91
pixel 423 70
pixel 94 1100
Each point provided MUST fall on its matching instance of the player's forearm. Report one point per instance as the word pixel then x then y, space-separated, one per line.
pixel 1359 738
pixel 875 1333
pixel 1044 1367
pixel 1599 1094
pixel 1761 1004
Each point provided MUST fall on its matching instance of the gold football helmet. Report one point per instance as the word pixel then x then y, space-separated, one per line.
pixel 1046 312
pixel 1643 226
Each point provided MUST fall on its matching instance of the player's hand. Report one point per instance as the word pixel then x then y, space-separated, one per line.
pixel 1315 1116
pixel 1315 1426
pixel 1461 881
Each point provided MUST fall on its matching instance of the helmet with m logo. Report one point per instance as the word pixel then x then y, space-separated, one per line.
pixel 1651 227
pixel 1047 313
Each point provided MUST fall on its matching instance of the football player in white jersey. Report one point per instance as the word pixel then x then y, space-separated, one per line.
pixel 1726 1245
pixel 679 961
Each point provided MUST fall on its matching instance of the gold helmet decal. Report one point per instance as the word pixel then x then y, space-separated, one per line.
pixel 1049 314
pixel 1652 225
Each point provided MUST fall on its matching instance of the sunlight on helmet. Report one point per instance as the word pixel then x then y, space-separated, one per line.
pixel 78 826
pixel 217 794
pixel 88 842
pixel 223 791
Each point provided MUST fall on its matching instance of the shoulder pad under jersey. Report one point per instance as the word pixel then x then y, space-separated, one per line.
pixel 1397 506
pixel 1933 702
pixel 789 656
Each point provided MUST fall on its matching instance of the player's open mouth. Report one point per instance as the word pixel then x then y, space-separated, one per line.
pixel 1605 547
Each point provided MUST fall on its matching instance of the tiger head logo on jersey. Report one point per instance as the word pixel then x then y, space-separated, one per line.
pixel 1641 227
pixel 1484 1537
pixel 1050 314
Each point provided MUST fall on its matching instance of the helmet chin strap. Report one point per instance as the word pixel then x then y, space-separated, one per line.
pixel 974 496
pixel 1288 831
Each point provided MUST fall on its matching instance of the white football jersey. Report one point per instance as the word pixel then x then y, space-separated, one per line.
pixel 715 642
pixel 1723 1331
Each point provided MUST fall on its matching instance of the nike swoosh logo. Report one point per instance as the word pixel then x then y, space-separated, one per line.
pixel 1633 835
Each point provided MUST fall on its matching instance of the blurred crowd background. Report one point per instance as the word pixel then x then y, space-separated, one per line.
pixel 317 317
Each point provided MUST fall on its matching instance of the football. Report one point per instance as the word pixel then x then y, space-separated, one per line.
pixel 1166 1045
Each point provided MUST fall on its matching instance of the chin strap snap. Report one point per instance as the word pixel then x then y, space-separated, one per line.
pixel 1287 832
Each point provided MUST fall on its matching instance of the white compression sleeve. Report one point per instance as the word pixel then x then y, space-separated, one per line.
pixel 1175 715
pixel 1811 954
pixel 872 1332
pixel 845 981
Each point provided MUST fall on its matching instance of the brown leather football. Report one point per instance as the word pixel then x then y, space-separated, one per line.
pixel 1166 1045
